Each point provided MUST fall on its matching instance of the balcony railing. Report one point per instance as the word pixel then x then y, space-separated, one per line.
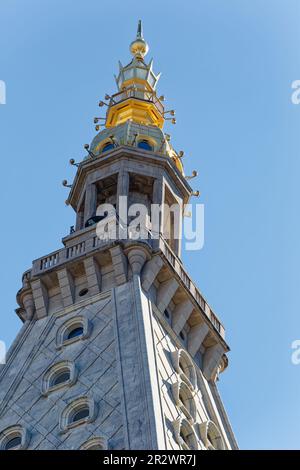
pixel 177 265
pixel 88 242
pixel 137 93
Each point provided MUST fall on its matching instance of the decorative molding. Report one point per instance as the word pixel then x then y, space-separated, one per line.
pixel 196 336
pixel 185 368
pixel 184 399
pixel 150 272
pixel 211 361
pixel 181 314
pixel 137 257
pixel 74 322
pixel 55 369
pixel 14 431
pixel 65 422
pixel 185 434
pixel 165 293
pixel 211 436
pixel 95 443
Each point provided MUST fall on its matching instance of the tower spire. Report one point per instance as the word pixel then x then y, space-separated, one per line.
pixel 139 46
pixel 139 34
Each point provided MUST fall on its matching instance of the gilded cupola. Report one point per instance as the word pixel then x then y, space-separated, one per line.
pixel 135 115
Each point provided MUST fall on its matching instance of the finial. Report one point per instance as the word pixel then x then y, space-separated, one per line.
pixel 139 33
pixel 139 47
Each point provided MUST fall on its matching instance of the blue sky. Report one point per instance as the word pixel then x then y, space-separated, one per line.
pixel 227 70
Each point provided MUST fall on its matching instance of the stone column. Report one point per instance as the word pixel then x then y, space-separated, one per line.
pixel 79 220
pixel 178 231
pixel 122 191
pixel 158 197
pixel 90 202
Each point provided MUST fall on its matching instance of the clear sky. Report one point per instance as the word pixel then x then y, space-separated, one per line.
pixel 227 70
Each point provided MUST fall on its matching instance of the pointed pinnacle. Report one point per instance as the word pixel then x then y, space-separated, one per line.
pixel 139 33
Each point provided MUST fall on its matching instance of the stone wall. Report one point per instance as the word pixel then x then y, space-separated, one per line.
pixel 94 358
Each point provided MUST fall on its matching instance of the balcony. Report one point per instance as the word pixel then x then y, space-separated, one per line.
pixel 84 242
pixel 138 93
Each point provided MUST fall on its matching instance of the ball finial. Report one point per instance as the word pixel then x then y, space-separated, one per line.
pixel 139 47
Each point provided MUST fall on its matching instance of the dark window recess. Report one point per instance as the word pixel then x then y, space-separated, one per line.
pixel 108 146
pixel 166 313
pixel 13 443
pixel 61 377
pixel 83 292
pixel 80 414
pixel 145 145
pixel 78 331
pixel 95 219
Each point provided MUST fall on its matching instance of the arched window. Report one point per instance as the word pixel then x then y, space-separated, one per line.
pixel 59 375
pixel 189 439
pixel 211 436
pixel 95 443
pixel 145 145
pixel 74 329
pixel 184 399
pixel 13 443
pixel 107 146
pixel 185 435
pixel 14 438
pixel 184 367
pixel 74 332
pixel 78 412
pixel 60 378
